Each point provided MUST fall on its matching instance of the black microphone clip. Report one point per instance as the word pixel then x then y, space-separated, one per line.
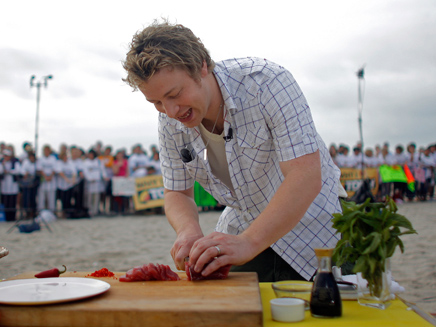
pixel 186 155
pixel 229 135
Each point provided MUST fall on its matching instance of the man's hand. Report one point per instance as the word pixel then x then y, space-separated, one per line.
pixel 181 211
pixel 181 248
pixel 226 249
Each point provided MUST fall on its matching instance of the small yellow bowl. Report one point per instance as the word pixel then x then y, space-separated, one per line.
pixel 293 289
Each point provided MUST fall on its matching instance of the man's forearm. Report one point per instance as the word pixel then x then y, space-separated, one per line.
pixel 181 211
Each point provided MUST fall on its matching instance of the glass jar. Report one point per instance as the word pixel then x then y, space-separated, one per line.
pixel 325 300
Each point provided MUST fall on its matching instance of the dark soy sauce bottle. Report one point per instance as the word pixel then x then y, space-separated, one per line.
pixel 325 301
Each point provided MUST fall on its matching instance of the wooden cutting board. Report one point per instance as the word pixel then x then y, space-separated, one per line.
pixel 234 301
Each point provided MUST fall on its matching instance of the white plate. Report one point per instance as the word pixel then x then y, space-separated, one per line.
pixel 50 290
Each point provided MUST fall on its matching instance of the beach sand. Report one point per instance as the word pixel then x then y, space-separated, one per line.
pixel 122 242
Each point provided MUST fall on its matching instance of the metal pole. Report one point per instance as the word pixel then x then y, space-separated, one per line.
pixel 38 94
pixel 360 76
pixel 38 97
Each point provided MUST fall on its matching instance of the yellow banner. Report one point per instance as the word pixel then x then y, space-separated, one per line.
pixel 149 192
pixel 351 179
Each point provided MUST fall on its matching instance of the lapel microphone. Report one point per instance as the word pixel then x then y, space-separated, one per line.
pixel 186 155
pixel 229 135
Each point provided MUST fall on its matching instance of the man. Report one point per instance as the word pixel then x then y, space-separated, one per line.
pixel 9 171
pixel 356 159
pixel 46 167
pixel 342 159
pixel 79 210
pixel 139 162
pixel 243 130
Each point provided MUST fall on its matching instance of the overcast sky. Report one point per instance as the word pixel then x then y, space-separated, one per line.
pixel 323 44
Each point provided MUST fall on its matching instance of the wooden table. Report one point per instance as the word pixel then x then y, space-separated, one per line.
pixel 234 301
pixel 238 301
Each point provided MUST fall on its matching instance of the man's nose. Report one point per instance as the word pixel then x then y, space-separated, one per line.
pixel 171 109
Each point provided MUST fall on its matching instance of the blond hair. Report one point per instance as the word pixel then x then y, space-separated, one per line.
pixel 163 45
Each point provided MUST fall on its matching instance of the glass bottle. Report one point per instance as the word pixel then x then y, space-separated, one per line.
pixel 325 300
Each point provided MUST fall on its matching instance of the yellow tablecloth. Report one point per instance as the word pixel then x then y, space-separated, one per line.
pixel 353 315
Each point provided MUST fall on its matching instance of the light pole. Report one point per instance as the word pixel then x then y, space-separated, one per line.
pixel 38 84
pixel 361 84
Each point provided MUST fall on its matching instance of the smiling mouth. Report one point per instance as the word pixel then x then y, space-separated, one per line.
pixel 186 115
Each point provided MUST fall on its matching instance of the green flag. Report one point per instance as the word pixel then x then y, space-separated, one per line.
pixel 394 173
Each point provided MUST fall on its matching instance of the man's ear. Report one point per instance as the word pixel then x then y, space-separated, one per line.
pixel 204 70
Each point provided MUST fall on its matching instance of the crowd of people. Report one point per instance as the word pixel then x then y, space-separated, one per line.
pixel 420 161
pixel 79 182
pixel 76 181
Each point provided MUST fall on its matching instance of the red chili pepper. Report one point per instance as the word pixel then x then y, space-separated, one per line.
pixel 51 273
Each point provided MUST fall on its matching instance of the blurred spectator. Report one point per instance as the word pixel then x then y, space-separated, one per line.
pixel 426 178
pixel 333 152
pixel 153 150
pixel 120 169
pixel 66 179
pixel 399 157
pixel 98 148
pixel 79 210
pixel 29 184
pixel 27 147
pixel 139 163
pixel 356 159
pixel 369 159
pixel 342 158
pixel 46 167
pixel 95 175
pixel 107 159
pixel 9 171
pixel 155 164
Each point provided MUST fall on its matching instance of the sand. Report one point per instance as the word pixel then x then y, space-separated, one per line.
pixel 122 242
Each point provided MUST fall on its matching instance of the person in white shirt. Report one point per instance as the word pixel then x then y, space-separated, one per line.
pixel 9 170
pixel 369 160
pixel 27 147
pixel 386 157
pixel 29 184
pixel 343 159
pixel 95 175
pixel 356 159
pixel 399 157
pixel 139 163
pixel 66 179
pixel 427 165
pixel 155 164
pixel 107 159
pixel 264 153
pixel 433 180
pixel 46 167
pixel 79 186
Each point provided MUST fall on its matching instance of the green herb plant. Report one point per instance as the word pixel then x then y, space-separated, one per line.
pixel 370 234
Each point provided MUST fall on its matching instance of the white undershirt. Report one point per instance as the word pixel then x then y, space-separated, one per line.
pixel 216 154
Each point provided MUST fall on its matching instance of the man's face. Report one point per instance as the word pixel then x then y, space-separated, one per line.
pixel 47 152
pixel 175 93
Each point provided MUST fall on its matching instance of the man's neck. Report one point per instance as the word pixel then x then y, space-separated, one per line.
pixel 214 122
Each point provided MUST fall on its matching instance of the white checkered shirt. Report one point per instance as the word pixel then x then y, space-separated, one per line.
pixel 271 122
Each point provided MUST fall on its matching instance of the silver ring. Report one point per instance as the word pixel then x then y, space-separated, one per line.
pixel 219 250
